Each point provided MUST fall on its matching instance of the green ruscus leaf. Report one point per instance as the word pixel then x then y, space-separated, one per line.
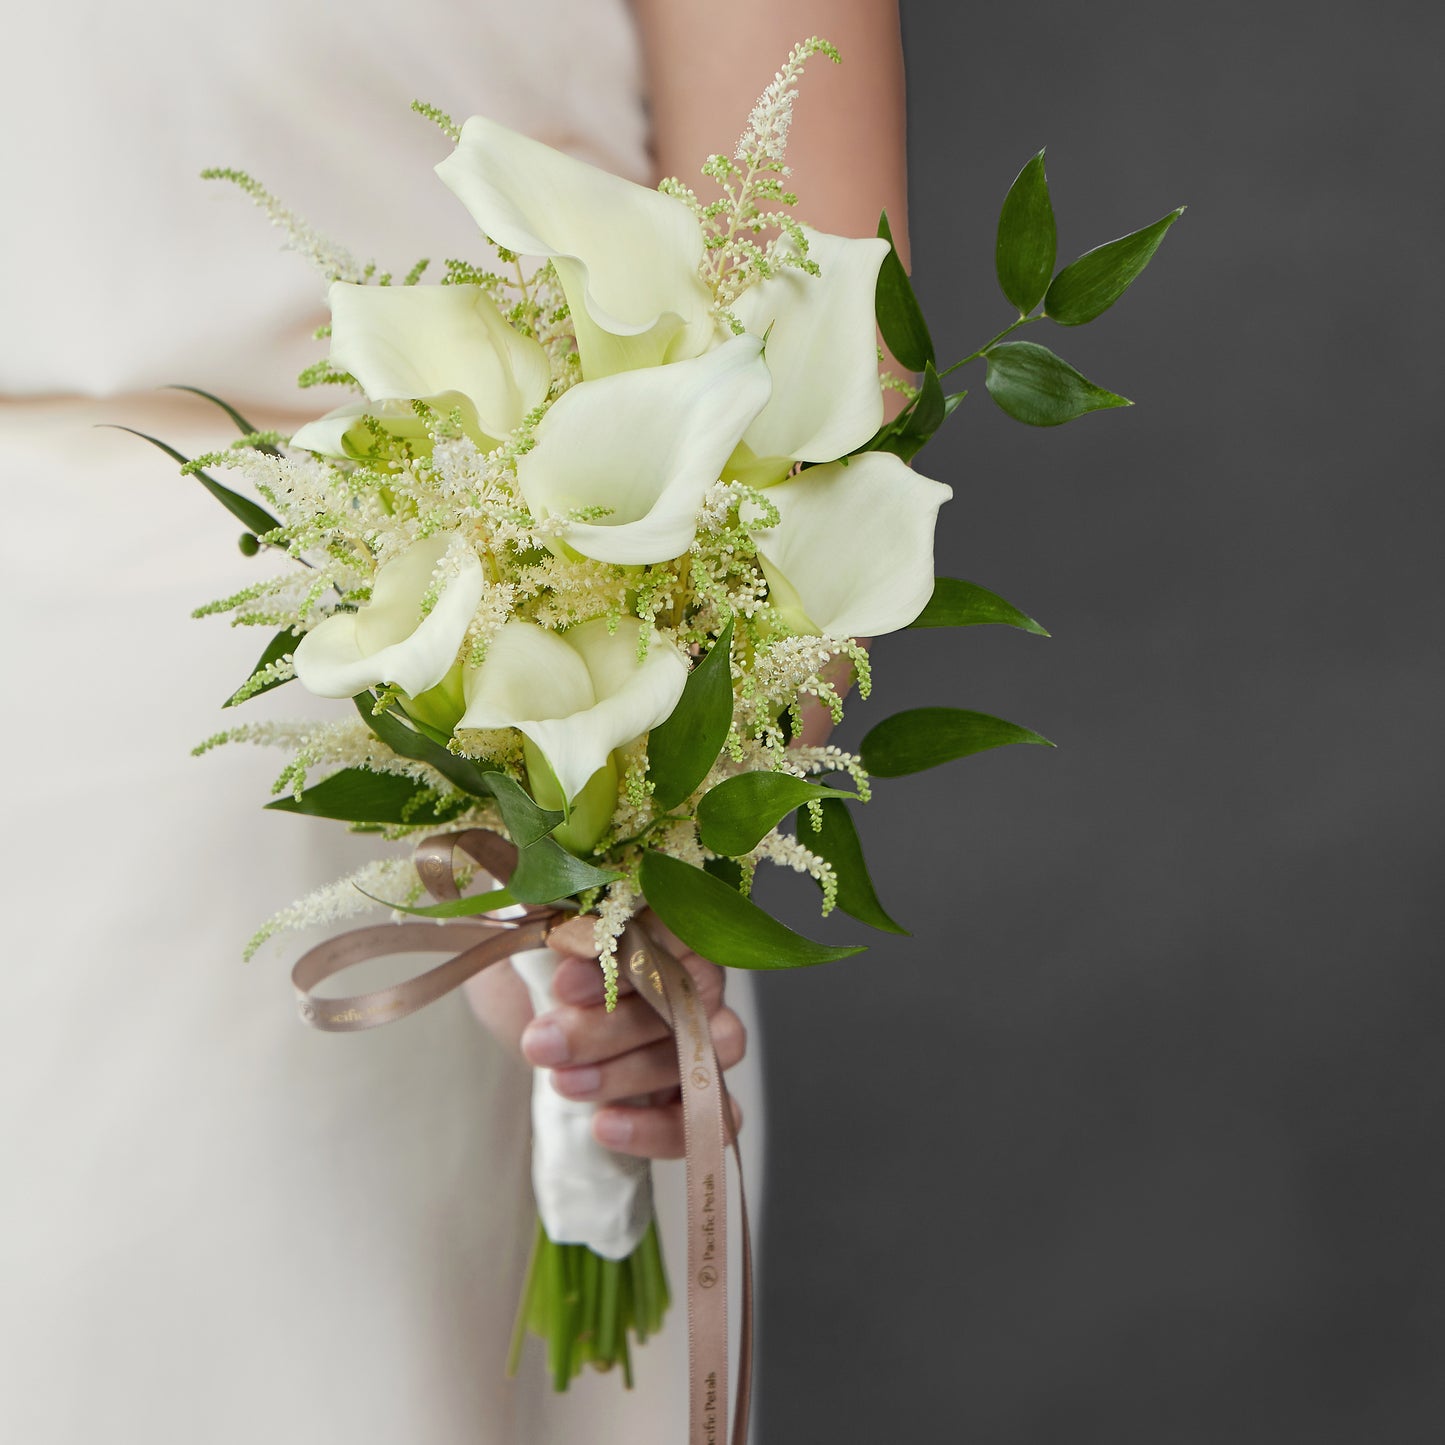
pixel 835 840
pixel 1033 385
pixel 733 817
pixel 720 924
pixel 956 603
pixel 1027 241
pixel 525 820
pixel 279 646
pixel 243 509
pixel 243 426
pixel 907 434
pixel 466 907
pixel 357 795
pixel 681 750
pixel 900 318
pixel 546 871
pixel 1088 287
pixel 924 737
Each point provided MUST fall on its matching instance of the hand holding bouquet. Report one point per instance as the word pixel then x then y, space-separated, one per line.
pixel 595 525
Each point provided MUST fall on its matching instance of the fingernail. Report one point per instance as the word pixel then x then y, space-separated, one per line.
pixel 578 1083
pixel 544 1044
pixel 613 1128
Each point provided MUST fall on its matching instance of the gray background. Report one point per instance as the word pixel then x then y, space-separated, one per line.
pixel 1138 1139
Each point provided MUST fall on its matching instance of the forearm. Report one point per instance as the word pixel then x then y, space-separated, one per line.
pixel 847 146
pixel 706 64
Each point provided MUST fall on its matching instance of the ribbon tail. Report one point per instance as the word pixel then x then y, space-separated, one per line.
pixel 707 1128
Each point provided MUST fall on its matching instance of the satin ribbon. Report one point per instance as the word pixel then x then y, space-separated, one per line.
pixel 668 988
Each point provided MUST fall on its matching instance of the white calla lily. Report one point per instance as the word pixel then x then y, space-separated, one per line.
pixel 439 344
pixel 647 445
pixel 576 695
pixel 342 433
pixel 822 353
pixel 388 641
pixel 853 553
pixel 627 256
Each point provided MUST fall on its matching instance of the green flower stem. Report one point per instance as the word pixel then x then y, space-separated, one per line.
pixel 584 1306
pixel 993 341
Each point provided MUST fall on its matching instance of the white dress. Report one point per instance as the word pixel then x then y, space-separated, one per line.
pixel 219 1226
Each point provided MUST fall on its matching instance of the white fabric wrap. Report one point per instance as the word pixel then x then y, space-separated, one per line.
pixel 585 1194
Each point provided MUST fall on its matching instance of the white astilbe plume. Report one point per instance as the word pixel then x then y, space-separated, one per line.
pixel 499 600
pixel 785 851
pixel 349 744
pixel 754 200
pixel 393 879
pixel 334 262
pixel 783 671
pixel 812 761
pixel 614 911
pixel 766 138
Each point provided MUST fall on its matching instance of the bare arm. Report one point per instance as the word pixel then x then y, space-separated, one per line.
pixel 706 64
pixel 847 148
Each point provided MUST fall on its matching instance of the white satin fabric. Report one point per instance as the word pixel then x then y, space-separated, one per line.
pixel 216 1225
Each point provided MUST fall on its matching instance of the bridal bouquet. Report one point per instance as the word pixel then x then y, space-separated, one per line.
pixel 608 505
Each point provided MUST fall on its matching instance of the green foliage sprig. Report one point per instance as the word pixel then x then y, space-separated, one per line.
pixel 1026 380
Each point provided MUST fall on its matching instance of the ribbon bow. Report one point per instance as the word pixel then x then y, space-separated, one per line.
pixel 667 986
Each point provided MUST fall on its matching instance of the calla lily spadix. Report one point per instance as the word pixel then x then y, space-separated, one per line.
pixel 827 400
pixel 627 256
pixel 576 695
pixel 447 345
pixel 388 641
pixel 853 553
pixel 646 444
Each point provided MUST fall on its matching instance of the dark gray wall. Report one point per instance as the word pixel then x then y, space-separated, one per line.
pixel 1139 1138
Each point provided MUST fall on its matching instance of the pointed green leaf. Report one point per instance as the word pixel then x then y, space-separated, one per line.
pixel 546 871
pixel 907 434
pixel 243 509
pixel 728 869
pixel 929 408
pixel 1025 249
pixel 1033 385
pixel 900 318
pixel 836 841
pixel 719 923
pixel 282 645
pixel 733 817
pixel 1088 287
pixel 924 737
pixel 956 603
pixel 357 795
pixel 525 821
pixel 452 907
pixel 682 750
pixel 245 427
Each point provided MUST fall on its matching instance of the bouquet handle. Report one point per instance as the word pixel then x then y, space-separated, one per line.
pixel 668 988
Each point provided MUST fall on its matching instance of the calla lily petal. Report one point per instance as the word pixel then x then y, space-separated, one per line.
pixel 388 640
pixel 577 695
pixel 418 342
pixel 647 444
pixel 340 433
pixel 627 256
pixel 821 351
pixel 853 554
